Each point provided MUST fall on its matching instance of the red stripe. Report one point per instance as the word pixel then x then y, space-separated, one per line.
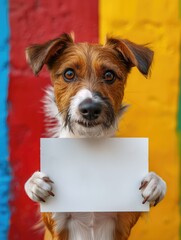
pixel 31 22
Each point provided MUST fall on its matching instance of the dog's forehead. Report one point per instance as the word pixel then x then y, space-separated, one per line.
pixel 88 55
pixel 87 50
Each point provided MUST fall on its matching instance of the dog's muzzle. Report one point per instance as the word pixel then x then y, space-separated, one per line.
pixel 89 113
pixel 90 109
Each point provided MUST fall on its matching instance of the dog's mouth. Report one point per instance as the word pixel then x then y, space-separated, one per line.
pixel 90 117
pixel 88 124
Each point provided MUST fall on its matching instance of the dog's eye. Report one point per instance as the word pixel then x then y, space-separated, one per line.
pixel 109 76
pixel 69 75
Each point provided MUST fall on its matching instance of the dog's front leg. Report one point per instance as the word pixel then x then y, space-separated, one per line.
pixel 39 187
pixel 153 188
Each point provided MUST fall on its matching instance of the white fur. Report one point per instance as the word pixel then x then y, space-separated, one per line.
pixel 52 114
pixel 85 226
pixel 155 188
pixel 79 130
pixel 76 100
pixel 36 187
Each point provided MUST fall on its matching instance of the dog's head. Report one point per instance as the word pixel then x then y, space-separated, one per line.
pixel 89 79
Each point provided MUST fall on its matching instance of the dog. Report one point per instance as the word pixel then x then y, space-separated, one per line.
pixel 88 88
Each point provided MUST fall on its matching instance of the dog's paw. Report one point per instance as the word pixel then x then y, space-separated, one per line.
pixel 153 189
pixel 39 187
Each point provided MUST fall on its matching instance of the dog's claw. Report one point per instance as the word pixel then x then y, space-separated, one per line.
pixel 156 202
pixel 153 189
pixel 41 199
pixel 145 200
pixel 38 197
pixel 39 187
pixel 47 179
pixel 51 193
pixel 143 184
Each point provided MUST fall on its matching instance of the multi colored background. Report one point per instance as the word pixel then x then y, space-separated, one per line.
pixel 155 110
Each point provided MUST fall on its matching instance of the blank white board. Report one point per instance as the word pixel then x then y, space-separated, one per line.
pixel 95 175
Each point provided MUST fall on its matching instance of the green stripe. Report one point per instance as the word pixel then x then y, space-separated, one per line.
pixel 179 102
pixel 179 136
pixel 179 123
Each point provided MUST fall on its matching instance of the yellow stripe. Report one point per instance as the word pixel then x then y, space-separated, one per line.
pixel 154 101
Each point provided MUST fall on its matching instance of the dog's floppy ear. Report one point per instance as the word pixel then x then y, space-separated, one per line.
pixel 133 54
pixel 39 54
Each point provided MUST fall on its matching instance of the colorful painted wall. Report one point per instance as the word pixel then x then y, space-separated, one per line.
pixel 154 110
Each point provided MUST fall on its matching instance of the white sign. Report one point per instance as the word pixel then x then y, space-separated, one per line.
pixel 95 175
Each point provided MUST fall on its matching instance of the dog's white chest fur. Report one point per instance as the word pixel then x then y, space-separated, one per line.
pixel 86 226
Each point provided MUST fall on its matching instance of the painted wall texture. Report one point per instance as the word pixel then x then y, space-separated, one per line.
pixel 154 101
pixel 4 163
pixel 35 21
pixel 154 110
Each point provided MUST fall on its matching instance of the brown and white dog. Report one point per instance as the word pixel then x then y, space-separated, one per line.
pixel 88 82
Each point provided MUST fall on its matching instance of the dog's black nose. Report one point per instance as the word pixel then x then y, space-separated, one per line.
pixel 90 109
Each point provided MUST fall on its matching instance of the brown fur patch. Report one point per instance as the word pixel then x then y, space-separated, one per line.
pixel 124 224
pixel 90 62
pixel 50 225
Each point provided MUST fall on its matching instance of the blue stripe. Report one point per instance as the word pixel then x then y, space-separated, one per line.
pixel 4 163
